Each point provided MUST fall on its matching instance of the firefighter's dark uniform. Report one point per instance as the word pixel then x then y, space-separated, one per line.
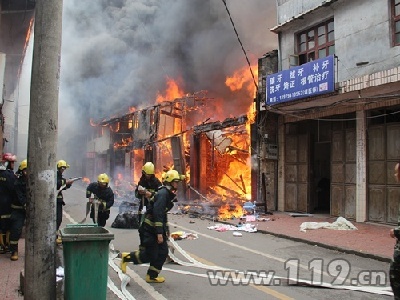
pixel 18 213
pixel 394 271
pixel 152 184
pixel 106 197
pixel 155 222
pixel 60 198
pixel 7 193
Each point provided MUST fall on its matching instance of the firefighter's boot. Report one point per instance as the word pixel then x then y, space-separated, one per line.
pixel 58 239
pixel 125 258
pixel 14 256
pixel 3 248
pixel 158 279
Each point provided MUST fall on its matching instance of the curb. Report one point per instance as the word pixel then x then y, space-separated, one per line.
pixel 322 245
pixel 330 247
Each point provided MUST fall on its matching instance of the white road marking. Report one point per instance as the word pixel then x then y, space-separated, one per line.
pixel 142 283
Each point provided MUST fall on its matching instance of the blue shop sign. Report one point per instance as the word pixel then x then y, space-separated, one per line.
pixel 310 79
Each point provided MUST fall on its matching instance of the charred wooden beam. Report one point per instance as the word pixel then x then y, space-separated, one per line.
pixel 174 115
pixel 230 122
pixel 242 189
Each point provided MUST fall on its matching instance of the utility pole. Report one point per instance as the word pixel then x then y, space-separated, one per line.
pixel 40 245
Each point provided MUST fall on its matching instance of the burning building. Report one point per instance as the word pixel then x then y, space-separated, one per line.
pixel 215 156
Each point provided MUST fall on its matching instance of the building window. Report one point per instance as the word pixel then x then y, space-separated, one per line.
pixel 317 42
pixel 395 8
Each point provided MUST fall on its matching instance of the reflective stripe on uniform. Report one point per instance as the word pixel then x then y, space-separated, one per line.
pixel 17 206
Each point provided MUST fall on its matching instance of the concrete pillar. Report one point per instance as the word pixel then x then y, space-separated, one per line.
pixel 40 241
pixel 361 161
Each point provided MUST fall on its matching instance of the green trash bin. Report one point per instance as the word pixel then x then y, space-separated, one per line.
pixel 85 251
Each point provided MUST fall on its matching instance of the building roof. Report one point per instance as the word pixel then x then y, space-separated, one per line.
pixel 278 28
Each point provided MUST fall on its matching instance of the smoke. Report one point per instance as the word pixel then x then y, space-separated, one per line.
pixel 119 53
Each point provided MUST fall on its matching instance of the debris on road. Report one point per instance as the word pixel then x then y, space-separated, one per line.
pixel 240 227
pixel 340 224
pixel 182 235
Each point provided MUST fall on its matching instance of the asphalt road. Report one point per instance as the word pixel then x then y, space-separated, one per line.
pixel 220 265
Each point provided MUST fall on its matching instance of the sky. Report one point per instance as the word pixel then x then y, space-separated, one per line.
pixel 120 53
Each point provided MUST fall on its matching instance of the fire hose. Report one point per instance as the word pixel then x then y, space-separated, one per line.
pixel 96 204
pixel 64 185
pixel 198 193
pixel 124 293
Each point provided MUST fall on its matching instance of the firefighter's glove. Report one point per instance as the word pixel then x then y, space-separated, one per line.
pixel 63 203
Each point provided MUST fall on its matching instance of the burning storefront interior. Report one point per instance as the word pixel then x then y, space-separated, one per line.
pixel 214 156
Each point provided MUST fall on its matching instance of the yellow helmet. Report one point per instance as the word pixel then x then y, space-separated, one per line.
pixel 148 168
pixel 62 164
pixel 103 178
pixel 23 165
pixel 173 175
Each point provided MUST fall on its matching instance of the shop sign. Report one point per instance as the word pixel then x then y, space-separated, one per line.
pixel 310 79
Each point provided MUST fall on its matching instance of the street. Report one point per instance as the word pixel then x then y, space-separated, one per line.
pixel 272 259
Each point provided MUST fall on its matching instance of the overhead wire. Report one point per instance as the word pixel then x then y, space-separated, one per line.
pixel 241 44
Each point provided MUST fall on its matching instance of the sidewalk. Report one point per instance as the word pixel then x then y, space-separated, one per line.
pixel 10 277
pixel 370 240
pixel 10 273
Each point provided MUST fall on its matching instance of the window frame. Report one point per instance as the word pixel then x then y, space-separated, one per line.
pixel 394 19
pixel 312 53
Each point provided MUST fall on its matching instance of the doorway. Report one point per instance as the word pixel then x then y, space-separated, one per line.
pixel 321 180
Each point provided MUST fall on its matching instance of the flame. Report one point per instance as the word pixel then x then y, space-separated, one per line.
pixel 225 211
pixel 173 91
pixel 124 142
pixel 234 182
pixel 122 187
pixel 86 180
pixel 27 38
pixel 242 78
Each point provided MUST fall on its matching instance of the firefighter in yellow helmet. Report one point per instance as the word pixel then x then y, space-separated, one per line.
pixel 18 212
pixel 154 232
pixel 101 193
pixel 62 184
pixel 147 186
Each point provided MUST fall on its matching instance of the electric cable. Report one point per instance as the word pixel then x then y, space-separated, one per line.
pixel 241 45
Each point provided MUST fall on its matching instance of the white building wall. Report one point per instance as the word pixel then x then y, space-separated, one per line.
pixel 362 34
pixel 290 8
pixel 101 144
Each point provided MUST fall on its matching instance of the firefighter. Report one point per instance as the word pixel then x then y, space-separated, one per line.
pixel 103 197
pixel 7 192
pixel 62 184
pixel 154 232
pixel 18 211
pixel 147 186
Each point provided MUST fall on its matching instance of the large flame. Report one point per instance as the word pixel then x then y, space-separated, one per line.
pixel 226 212
pixel 172 92
pixel 242 79
pixel 234 185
